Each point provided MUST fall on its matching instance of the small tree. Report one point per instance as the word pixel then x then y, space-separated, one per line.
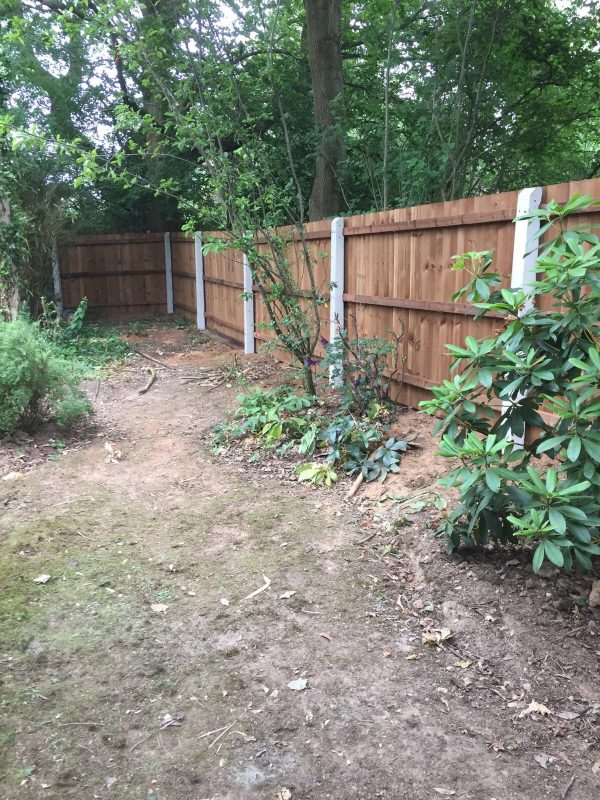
pixel 546 490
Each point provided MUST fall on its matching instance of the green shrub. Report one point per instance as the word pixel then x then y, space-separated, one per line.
pixel 281 417
pixel 91 344
pixel 546 491
pixel 360 369
pixel 36 382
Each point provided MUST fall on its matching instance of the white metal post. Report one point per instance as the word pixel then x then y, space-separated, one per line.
pixel 169 273
pixel 200 303
pixel 525 253
pixel 336 295
pixel 248 308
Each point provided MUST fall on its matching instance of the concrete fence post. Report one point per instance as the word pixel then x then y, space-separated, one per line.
pixel 58 298
pixel 336 292
pixel 525 253
pixel 169 273
pixel 200 301
pixel 248 307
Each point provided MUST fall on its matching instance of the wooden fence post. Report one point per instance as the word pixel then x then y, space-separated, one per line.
pixel 336 292
pixel 525 253
pixel 200 302
pixel 248 308
pixel 169 273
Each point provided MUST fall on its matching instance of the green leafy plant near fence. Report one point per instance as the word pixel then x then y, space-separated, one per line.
pixel 36 381
pixel 546 492
pixel 283 420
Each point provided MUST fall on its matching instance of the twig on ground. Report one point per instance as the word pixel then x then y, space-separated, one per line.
pixel 567 788
pixel 227 729
pixel 97 390
pixel 355 487
pixel 93 724
pixel 367 539
pixel 151 358
pixel 261 589
pixel 171 722
pixel 151 380
pixel 209 733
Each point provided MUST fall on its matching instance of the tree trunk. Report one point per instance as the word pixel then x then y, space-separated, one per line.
pixel 324 22
pixel 12 291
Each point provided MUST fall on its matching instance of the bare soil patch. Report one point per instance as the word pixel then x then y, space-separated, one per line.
pixel 144 669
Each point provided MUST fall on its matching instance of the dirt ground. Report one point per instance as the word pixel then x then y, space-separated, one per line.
pixel 147 666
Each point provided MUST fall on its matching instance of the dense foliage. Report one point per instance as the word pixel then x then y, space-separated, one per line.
pixel 545 360
pixel 285 421
pixel 36 381
pixel 405 102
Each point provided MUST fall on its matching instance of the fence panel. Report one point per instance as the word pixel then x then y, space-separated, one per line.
pixel 398 278
pixel 122 275
pixel 223 288
pixel 184 275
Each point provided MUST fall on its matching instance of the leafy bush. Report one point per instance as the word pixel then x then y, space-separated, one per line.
pixel 36 381
pixel 281 417
pixel 358 369
pixel 541 361
pixel 316 473
pixel 92 344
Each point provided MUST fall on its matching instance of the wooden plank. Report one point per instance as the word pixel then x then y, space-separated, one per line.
pixel 185 308
pixel 224 282
pixel 308 236
pixel 478 218
pixel 226 323
pixel 111 274
pixel 420 305
pixel 177 273
pixel 112 239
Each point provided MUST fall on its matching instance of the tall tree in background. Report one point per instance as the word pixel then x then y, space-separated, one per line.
pixel 359 105
pixel 324 37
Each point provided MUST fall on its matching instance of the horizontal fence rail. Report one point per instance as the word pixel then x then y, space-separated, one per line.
pixel 382 271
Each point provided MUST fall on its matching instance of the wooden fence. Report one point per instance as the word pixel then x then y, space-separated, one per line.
pixel 122 275
pixel 389 272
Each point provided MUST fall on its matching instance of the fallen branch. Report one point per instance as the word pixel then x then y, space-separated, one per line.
pixel 567 788
pixel 355 486
pixel 151 358
pixel 96 392
pixel 169 723
pixel 210 733
pixel 151 380
pixel 227 729
pixel 261 589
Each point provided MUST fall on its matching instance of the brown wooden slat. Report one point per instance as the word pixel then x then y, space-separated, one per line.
pixel 184 307
pixel 224 282
pixel 420 305
pixel 113 239
pixel 123 305
pixel 325 233
pixel 139 273
pixel 179 274
pixel 212 318
pixel 435 222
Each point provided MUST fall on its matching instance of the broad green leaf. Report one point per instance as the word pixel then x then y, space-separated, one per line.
pixel 574 448
pixel 554 553
pixel 538 557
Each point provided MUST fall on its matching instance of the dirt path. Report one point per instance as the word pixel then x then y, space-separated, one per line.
pixel 151 556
